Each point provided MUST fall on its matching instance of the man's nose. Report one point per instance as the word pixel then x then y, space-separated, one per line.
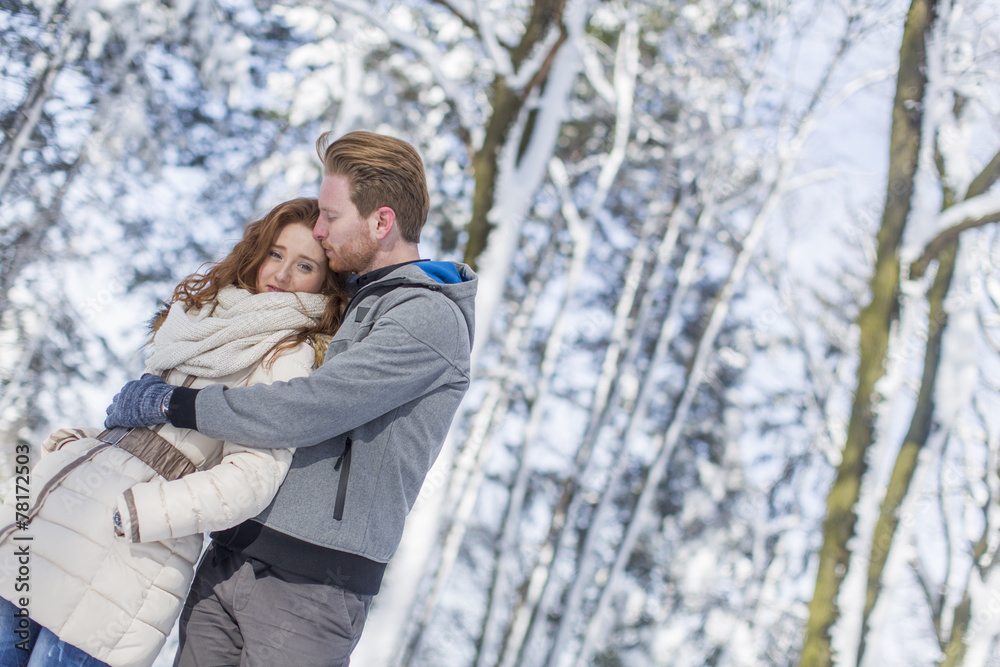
pixel 319 229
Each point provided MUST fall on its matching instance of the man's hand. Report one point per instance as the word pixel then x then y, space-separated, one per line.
pixel 141 402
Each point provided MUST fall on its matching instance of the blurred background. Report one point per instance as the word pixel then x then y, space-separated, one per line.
pixel 736 367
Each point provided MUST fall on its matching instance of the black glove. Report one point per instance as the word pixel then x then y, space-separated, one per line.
pixel 141 402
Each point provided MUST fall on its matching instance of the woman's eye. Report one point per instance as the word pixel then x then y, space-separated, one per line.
pixel 306 267
pixel 275 254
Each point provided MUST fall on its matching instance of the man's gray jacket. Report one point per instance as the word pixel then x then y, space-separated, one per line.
pixel 368 425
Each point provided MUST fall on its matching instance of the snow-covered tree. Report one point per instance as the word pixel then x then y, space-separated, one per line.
pixel 679 214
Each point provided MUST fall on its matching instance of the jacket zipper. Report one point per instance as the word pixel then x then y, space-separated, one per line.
pixel 343 463
pixel 344 466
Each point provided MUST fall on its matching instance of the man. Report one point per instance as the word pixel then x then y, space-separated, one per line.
pixel 294 584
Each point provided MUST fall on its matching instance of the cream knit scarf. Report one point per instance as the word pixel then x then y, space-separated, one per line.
pixel 234 332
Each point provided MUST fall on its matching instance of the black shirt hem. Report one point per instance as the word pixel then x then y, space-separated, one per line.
pixel 323 565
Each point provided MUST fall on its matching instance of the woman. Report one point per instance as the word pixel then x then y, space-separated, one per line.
pixel 105 564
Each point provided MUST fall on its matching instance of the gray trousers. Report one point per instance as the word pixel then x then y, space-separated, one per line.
pixel 244 613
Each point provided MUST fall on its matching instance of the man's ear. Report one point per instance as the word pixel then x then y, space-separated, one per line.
pixel 385 222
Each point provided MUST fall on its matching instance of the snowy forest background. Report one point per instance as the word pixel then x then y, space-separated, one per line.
pixel 736 374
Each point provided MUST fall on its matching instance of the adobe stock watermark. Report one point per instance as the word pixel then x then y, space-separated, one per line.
pixel 99 301
pixel 18 568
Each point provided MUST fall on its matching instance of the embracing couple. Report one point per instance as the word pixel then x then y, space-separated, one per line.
pixel 296 395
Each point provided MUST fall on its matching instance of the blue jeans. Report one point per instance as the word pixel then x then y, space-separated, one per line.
pixel 24 643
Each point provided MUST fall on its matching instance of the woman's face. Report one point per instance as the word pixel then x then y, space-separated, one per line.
pixel 295 263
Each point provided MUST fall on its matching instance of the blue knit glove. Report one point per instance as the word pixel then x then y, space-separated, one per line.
pixel 139 403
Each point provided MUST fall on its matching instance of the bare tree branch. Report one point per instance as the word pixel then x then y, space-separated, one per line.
pixel 986 178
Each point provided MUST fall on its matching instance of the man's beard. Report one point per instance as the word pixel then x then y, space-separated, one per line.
pixel 355 256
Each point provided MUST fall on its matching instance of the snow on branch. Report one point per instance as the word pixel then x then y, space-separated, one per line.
pixel 428 52
pixel 976 212
pixel 574 221
pixel 501 58
pixel 626 71
pixel 589 47
pixel 811 178
pixel 977 207
pixel 537 64
pixel 70 47
pixel 460 15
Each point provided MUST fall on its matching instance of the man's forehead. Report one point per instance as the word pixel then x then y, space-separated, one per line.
pixel 333 186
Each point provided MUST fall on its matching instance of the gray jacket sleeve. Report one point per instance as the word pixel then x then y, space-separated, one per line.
pixel 413 348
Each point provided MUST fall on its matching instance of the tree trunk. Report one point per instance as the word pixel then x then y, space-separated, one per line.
pixel 916 437
pixel 67 47
pixel 874 321
pixel 506 106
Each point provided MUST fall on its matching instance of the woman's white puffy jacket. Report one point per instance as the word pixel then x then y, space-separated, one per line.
pixel 115 598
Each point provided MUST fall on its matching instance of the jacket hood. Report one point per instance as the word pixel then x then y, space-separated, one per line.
pixel 455 280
